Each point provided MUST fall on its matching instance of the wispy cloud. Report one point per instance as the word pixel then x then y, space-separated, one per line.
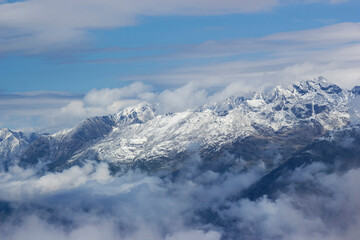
pixel 332 51
pixel 38 26
pixel 42 26
pixel 26 110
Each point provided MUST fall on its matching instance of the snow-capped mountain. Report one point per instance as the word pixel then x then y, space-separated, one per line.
pixel 277 122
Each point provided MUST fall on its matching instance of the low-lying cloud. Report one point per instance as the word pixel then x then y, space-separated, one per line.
pixel 89 203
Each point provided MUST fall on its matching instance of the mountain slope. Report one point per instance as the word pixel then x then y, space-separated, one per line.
pixel 337 152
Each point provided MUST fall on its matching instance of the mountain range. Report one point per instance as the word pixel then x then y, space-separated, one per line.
pixel 268 127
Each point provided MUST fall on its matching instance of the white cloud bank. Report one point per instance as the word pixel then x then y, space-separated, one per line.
pixel 99 206
pixel 138 206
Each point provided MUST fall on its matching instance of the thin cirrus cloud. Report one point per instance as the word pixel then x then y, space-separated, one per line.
pixel 332 51
pixel 42 26
pixel 38 26
pixel 327 37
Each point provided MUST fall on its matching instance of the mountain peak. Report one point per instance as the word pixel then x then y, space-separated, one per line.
pixel 321 79
pixel 139 113
pixel 319 84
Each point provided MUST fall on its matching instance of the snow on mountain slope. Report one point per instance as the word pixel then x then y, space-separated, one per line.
pixel 140 134
pixel 221 123
pixel 165 135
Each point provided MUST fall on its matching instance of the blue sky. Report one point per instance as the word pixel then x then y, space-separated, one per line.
pixel 66 49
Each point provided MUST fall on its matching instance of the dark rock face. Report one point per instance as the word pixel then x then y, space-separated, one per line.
pixel 223 113
pixel 338 156
pixel 331 89
pixel 270 147
pixel 308 110
pixel 319 109
pixel 300 89
pixel 302 112
pixel 38 150
pixel 356 90
pixel 281 106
